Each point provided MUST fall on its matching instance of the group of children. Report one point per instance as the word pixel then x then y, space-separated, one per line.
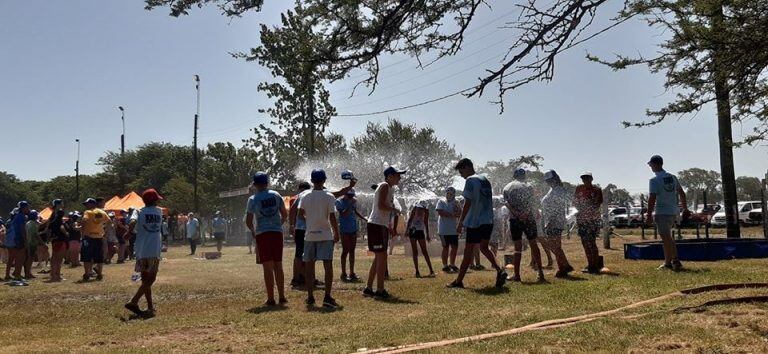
pixel 313 222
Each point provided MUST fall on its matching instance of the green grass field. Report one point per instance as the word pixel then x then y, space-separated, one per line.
pixel 215 306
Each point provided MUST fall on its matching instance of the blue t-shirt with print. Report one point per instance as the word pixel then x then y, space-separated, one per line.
pixel 664 186
pixel 149 222
pixel 478 190
pixel 265 206
pixel 347 223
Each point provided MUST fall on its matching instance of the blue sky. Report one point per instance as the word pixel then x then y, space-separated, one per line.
pixel 66 66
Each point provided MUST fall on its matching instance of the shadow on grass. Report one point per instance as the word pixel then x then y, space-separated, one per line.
pixel 491 291
pixel 265 309
pixel 133 317
pixel 323 309
pixel 396 301
pixel 572 278
pixel 695 271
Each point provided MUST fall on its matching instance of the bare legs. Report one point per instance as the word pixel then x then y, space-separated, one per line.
pixel 378 268
pixel 423 245
pixel 273 275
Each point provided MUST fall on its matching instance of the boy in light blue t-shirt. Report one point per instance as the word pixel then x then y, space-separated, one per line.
pixel 664 198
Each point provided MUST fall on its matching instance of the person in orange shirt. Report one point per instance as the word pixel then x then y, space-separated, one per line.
pixel 92 248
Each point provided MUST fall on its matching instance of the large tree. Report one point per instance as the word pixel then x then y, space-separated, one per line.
pixel 713 50
pixel 749 188
pixel 696 181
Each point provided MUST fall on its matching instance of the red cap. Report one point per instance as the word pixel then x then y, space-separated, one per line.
pixel 151 195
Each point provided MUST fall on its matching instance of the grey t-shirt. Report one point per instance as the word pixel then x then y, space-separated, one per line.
pixel 554 206
pixel 446 225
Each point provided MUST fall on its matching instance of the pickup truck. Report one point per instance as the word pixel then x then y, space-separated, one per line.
pixel 750 213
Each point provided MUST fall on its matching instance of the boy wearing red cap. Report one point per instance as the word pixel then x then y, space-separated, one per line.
pixel 147 223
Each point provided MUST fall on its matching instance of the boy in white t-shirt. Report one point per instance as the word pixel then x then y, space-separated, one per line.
pixel 318 208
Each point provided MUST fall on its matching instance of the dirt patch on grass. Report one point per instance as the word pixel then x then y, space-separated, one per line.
pixel 178 340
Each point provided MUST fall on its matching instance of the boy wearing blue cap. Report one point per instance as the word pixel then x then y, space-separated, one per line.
pixel 268 208
pixel 319 209
pixel 665 195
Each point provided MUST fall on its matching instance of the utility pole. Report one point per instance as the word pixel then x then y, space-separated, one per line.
pixel 77 172
pixel 765 206
pixel 122 136
pixel 194 151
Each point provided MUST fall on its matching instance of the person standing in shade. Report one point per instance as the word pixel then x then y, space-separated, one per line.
pixel 193 232
pixel 348 214
pixel 147 223
pixel 267 208
pixel 122 232
pixel 92 250
pixel 664 197
pixel 523 214
pixel 587 200
pixel 477 217
pixel 32 241
pixel 219 230
pixel 318 207
pixel 418 233
pixel 378 228
pixel 448 212
pixel 298 228
pixel 59 240
pixel 554 206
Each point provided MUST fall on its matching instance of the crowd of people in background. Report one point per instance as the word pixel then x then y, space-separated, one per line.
pixel 96 237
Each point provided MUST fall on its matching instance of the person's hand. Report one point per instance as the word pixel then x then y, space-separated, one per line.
pixel 353 182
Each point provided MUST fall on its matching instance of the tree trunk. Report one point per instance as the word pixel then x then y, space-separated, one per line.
pixel 722 95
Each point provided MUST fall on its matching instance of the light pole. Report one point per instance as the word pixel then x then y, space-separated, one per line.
pixel 122 137
pixel 77 172
pixel 194 151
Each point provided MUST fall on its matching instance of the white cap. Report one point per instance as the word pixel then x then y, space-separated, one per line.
pixel 586 173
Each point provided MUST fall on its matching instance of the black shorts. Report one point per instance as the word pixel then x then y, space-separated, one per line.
pixel 589 230
pixel 417 235
pixel 449 240
pixel 219 236
pixel 477 234
pixel 298 237
pixel 378 237
pixel 92 250
pixel 517 228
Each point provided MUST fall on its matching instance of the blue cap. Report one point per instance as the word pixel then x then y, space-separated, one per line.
pixel 33 214
pixel 347 174
pixel 392 170
pixel 519 173
pixel 656 159
pixel 89 201
pixel 351 192
pixel 23 204
pixel 260 178
pixel 318 175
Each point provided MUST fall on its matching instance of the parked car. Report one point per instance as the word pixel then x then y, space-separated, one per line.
pixel 750 213
pixel 632 219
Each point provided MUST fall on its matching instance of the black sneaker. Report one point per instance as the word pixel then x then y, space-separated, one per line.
pixel 447 269
pixel 99 277
pixel 353 277
pixel 344 277
pixel 283 301
pixel 561 274
pixel 455 284
pixel 310 301
pixel 382 294
pixel 368 292
pixel 330 302
pixel 501 277
pixel 270 303
pixel 677 266
pixel 455 269
pixel 664 266
pixel 418 275
pixel 134 308
pixel 294 282
pixel 480 267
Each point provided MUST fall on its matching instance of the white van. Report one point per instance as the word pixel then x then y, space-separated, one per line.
pixel 750 213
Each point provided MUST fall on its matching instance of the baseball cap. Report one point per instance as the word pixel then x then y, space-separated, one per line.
pixel 33 215
pixel 23 204
pixel 586 174
pixel 392 170
pixel 260 178
pixel 347 174
pixel 550 174
pixel 318 175
pixel 89 201
pixel 304 186
pixel 151 195
pixel 519 172
pixel 351 192
pixel 656 159
pixel 450 190
pixel 57 202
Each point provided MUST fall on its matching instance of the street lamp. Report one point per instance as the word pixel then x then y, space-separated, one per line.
pixel 122 137
pixel 77 172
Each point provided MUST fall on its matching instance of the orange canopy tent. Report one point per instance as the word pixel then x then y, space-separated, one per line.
pixel 130 200
pixel 45 213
